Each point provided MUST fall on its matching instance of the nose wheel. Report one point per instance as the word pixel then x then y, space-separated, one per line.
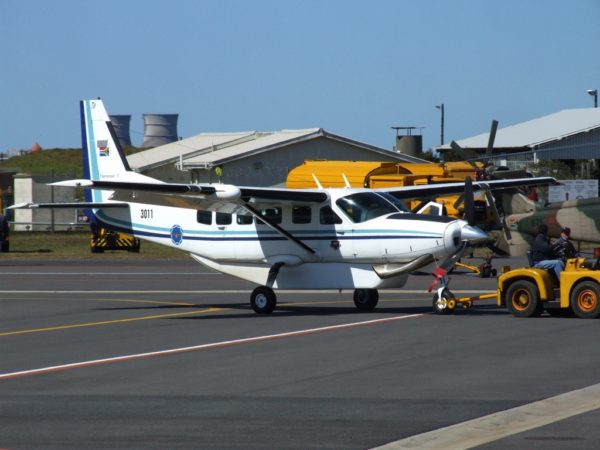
pixel 444 301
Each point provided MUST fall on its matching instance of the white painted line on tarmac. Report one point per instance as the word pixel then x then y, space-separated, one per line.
pixel 229 291
pixel 194 348
pixel 57 274
pixel 503 424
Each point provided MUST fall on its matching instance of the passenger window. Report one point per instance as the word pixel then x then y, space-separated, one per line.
pixel 223 219
pixel 328 217
pixel 204 217
pixel 243 219
pixel 273 215
pixel 301 214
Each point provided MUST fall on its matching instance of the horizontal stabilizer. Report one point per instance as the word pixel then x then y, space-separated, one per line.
pixel 32 205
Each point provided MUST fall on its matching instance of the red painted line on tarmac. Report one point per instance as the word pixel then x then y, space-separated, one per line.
pixel 175 351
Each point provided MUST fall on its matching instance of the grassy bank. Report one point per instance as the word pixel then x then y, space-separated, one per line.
pixel 76 245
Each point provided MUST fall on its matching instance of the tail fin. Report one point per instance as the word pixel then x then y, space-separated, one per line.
pixel 103 157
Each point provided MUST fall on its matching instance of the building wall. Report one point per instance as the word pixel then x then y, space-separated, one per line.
pixel 34 189
pixel 579 146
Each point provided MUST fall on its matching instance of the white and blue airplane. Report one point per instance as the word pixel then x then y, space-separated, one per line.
pixel 339 238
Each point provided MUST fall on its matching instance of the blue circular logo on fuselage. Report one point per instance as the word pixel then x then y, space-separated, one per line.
pixel 176 234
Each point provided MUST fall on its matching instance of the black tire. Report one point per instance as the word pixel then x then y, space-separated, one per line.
pixel 585 300
pixel 263 300
pixel 523 299
pixel 446 304
pixel 366 299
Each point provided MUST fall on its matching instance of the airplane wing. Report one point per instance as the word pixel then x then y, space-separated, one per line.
pixel 217 197
pixel 405 192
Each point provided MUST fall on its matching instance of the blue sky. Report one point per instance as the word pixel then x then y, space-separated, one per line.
pixel 355 68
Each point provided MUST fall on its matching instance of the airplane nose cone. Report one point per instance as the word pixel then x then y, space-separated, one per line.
pixel 473 235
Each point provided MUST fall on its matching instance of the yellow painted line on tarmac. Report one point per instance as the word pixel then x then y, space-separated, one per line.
pixel 126 300
pixel 110 322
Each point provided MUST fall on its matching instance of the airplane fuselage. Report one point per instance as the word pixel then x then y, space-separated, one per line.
pixel 345 238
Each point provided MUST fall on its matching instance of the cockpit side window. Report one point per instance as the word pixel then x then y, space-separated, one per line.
pixel 365 206
pixel 394 201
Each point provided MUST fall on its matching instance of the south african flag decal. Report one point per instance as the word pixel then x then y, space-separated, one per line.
pixel 103 148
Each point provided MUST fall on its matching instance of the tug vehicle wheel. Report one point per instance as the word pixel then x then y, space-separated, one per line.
pixel 585 300
pixel 263 300
pixel 366 299
pixel 523 299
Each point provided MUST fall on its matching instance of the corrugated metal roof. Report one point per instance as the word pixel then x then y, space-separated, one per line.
pixel 211 149
pixel 538 131
pixel 258 142
pixel 204 142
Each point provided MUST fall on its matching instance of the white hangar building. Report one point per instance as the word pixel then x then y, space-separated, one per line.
pixel 252 158
pixel 568 134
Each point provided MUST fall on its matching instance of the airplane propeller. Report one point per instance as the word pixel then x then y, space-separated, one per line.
pixel 499 220
pixel 469 202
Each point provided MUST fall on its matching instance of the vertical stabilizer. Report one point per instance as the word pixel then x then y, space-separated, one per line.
pixel 102 154
pixel 103 157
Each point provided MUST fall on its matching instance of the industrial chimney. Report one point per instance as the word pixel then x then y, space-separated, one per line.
pixel 121 125
pixel 159 129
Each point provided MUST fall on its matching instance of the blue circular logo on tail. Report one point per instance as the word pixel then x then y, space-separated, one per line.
pixel 176 234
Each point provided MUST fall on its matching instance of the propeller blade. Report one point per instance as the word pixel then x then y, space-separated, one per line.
pixel 469 202
pixel 506 229
pixel 492 138
pixel 492 204
pixel 459 200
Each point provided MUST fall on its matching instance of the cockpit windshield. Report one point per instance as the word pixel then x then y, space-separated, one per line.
pixel 365 206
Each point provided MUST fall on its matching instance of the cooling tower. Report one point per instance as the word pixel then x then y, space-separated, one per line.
pixel 121 125
pixel 159 129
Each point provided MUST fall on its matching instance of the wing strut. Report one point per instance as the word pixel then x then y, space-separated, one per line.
pixel 277 228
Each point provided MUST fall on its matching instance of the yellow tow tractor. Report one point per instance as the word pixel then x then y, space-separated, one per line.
pixel 528 291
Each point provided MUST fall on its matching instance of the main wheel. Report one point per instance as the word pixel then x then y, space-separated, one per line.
pixel 445 304
pixel 523 299
pixel 366 299
pixel 585 300
pixel 263 300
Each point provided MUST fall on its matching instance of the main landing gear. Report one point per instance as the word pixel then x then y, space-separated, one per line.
pixel 263 300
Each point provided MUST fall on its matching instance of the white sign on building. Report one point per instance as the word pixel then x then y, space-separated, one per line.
pixel 573 190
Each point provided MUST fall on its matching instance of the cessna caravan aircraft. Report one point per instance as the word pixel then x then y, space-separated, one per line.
pixel 342 238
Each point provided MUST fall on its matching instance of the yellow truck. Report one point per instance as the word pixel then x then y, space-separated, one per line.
pixel 387 174
pixel 529 291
